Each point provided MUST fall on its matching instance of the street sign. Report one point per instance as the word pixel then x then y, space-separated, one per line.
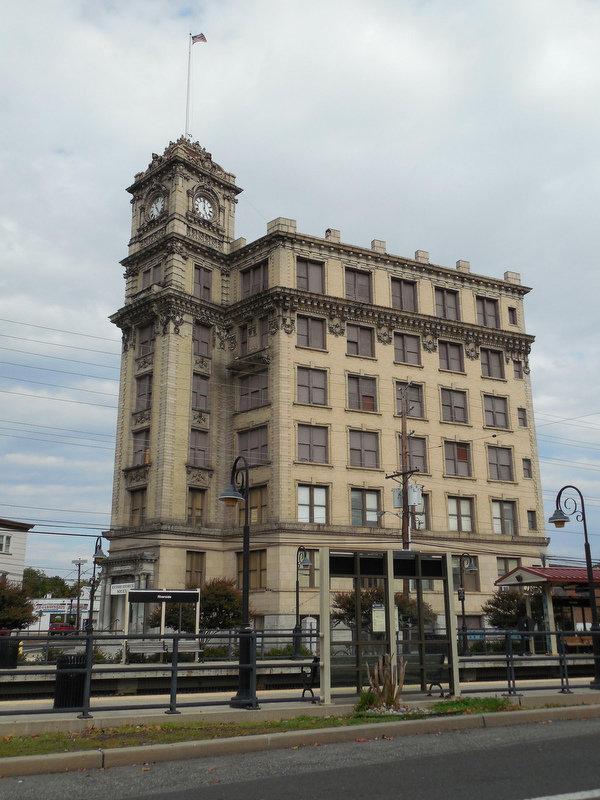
pixel 378 618
pixel 121 588
pixel 164 596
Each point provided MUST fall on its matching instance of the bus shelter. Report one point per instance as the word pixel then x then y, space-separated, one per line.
pixel 360 595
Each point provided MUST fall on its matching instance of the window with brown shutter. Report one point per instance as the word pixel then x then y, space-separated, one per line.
pixel 414 399
pixel 198 448
pixel 141 447
pixel 310 332
pixel 257 506
pixel 312 444
pixel 195 506
pixel 253 445
pixel 527 468
pixel 446 304
pixel 243 330
pixel 310 275
pixel 512 315
pixel 254 390
pixel 358 285
pixel 522 417
pixel 255 279
pixel 451 356
pixel 404 294
pixel 488 313
pixel 500 463
pixel 311 386
pixel 460 514
pixel 137 507
pixel 454 406
pixel 457 459
pixel 364 449
pixel 365 507
pixel 312 503
pixel 201 340
pixel 143 392
pixel 407 348
pixel 359 341
pixel 417 453
pixel 491 363
pixel 145 340
pixel 202 283
pixel 194 569
pixel 496 411
pixel 532 520
pixel 518 369
pixel 199 393
pixel 504 517
pixel 362 393
pixel 258 569
pixel 264 332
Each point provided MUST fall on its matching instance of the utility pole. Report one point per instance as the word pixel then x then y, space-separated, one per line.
pixel 78 562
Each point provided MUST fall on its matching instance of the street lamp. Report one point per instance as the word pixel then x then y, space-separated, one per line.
pixel 302 562
pixel 99 554
pixel 238 491
pixel 466 563
pixel 566 508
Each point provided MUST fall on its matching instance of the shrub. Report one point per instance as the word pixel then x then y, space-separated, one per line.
pixel 366 701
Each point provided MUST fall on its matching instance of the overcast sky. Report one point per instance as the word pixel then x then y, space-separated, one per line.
pixel 469 129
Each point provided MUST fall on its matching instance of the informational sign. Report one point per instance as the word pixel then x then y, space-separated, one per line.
pixel 121 588
pixel 415 495
pixel 54 605
pixel 164 596
pixel 397 497
pixel 378 618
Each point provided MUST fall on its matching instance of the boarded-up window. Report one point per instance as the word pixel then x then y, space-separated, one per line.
pixel 311 332
pixel 364 449
pixel 446 304
pixel 407 348
pixel 252 444
pixel 362 393
pixel 451 356
pixel 202 283
pixel 310 275
pixel 404 294
pixel 457 457
pixel 358 285
pixel 311 386
pixel 254 390
pixel 198 448
pixel 359 341
pixel 312 444
pixel 500 463
pixel 255 279
pixel 201 340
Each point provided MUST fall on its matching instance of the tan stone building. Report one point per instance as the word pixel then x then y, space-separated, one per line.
pixel 295 351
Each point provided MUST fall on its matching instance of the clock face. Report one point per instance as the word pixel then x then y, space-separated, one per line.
pixel 203 207
pixel 156 207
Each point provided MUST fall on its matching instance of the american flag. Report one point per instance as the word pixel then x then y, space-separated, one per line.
pixel 199 37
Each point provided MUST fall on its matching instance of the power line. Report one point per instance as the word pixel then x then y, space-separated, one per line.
pixel 60 330
pixel 54 427
pixel 61 371
pixel 45 508
pixel 50 441
pixel 57 399
pixel 56 385
pixel 55 344
pixel 58 437
pixel 60 358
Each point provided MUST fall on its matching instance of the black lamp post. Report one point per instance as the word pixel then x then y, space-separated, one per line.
pixel 565 508
pixel 302 562
pixel 98 555
pixel 238 491
pixel 466 563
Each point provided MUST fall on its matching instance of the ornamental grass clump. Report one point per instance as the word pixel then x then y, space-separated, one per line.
pixel 386 681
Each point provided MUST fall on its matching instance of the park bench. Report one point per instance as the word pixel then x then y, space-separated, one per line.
pixel 435 670
pixel 310 675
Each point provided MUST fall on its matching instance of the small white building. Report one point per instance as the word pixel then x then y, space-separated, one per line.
pixel 50 611
pixel 13 543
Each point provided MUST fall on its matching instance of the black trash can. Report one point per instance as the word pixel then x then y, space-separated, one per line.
pixel 9 652
pixel 69 686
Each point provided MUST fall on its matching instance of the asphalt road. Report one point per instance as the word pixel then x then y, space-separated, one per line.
pixel 558 760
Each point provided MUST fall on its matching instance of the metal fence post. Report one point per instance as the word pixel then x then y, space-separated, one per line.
pixel 87 684
pixel 174 666
pixel 510 665
pixel 562 665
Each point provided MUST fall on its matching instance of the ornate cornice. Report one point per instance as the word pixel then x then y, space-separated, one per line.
pixel 136 476
pixel 188 156
pixel 161 245
pixel 353 255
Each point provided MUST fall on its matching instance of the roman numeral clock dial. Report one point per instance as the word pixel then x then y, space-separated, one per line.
pixel 204 208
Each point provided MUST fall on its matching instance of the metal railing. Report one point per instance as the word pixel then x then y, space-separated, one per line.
pixel 548 655
pixel 210 650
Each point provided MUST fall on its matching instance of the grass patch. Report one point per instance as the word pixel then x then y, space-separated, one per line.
pixel 132 735
pixel 473 705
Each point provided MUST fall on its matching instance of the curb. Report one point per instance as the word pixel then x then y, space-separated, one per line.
pixel 126 756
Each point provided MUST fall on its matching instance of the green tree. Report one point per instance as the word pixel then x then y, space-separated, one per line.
pixel 343 609
pixel 37 584
pixel 506 609
pixel 220 608
pixel 15 609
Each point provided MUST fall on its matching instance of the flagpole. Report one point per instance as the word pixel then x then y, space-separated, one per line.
pixel 187 100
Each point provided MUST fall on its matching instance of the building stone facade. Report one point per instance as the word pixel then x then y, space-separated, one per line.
pixel 296 351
